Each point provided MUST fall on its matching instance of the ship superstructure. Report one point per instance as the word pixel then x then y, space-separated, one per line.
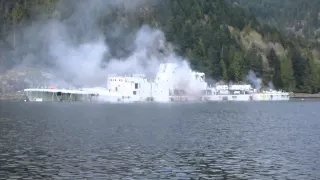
pixel 235 92
pixel 243 92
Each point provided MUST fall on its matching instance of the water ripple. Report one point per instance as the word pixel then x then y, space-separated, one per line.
pixel 203 141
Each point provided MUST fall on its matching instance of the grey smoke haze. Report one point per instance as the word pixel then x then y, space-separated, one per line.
pixel 75 50
pixel 254 80
pixel 270 85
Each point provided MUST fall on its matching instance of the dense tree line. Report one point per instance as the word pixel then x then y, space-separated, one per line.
pixel 299 16
pixel 200 28
pixel 201 31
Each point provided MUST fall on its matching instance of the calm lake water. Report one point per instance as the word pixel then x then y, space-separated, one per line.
pixel 254 140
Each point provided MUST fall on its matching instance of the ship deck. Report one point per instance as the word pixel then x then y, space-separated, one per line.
pixel 58 95
pixel 58 90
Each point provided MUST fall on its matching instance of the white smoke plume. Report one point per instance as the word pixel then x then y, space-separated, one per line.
pixel 145 58
pixel 254 80
pixel 76 52
pixel 270 85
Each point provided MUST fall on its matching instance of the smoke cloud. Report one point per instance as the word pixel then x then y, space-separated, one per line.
pixel 77 51
pixel 254 80
pixel 185 80
pixel 270 85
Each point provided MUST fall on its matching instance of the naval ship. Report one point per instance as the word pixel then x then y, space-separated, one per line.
pixel 244 92
pixel 172 83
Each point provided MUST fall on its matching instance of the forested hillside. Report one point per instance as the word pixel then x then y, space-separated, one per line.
pixel 218 37
pixel 298 17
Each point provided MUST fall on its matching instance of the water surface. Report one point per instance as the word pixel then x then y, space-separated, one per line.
pixel 253 140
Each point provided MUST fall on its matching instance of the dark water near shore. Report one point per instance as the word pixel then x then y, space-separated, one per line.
pixel 254 140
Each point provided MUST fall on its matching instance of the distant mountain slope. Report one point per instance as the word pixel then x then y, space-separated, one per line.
pixel 226 42
pixel 219 38
pixel 301 17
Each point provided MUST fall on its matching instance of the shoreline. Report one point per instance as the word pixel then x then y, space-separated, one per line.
pixel 305 95
pixel 20 96
pixel 12 97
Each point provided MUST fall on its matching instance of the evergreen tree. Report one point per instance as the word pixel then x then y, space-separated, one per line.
pixel 287 72
pixel 274 61
pixel 211 33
